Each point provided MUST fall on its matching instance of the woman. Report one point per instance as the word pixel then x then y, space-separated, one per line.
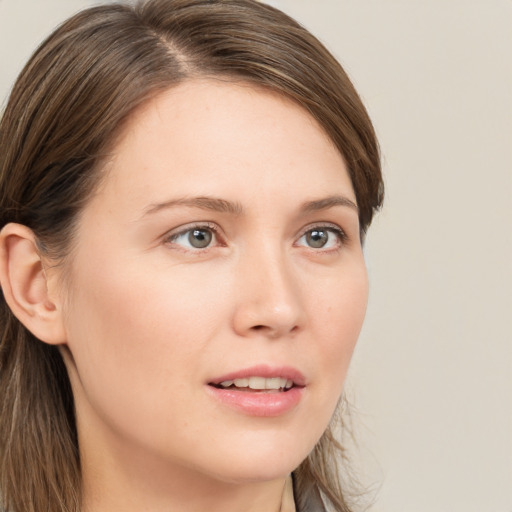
pixel 185 189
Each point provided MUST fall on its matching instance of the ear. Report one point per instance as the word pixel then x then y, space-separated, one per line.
pixel 25 285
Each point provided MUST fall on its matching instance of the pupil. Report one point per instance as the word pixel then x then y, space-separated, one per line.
pixel 317 238
pixel 200 238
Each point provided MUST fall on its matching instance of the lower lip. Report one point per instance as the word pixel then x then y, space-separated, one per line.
pixel 258 403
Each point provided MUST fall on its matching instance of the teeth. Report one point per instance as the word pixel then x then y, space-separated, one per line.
pixel 259 383
pixel 273 383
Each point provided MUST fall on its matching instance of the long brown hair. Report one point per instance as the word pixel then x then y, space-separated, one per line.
pixel 63 116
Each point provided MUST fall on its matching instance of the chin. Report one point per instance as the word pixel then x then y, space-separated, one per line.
pixel 260 463
pixel 254 472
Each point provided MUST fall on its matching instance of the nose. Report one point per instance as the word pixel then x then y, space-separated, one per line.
pixel 269 297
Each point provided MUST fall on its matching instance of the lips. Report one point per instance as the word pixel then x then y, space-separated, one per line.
pixel 287 373
pixel 260 390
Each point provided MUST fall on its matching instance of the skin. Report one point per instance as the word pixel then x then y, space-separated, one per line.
pixel 150 320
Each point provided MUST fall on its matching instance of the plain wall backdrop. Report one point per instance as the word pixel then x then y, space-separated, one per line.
pixel 431 380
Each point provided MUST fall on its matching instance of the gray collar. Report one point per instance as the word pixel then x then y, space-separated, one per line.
pixel 309 500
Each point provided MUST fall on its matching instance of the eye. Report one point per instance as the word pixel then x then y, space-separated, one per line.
pixel 195 237
pixel 323 237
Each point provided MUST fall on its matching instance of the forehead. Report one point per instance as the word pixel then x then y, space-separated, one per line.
pixel 216 137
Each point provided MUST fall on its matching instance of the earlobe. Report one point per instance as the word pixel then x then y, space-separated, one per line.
pixel 25 285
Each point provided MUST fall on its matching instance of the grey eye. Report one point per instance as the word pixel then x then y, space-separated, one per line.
pixel 322 237
pixel 317 238
pixel 200 238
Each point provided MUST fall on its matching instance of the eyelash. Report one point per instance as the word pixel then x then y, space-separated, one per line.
pixel 205 226
pixel 209 226
pixel 328 227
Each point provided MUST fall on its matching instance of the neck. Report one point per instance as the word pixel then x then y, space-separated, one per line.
pixel 183 493
pixel 136 482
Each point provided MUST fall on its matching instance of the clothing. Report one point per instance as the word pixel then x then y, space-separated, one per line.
pixel 288 502
pixel 310 502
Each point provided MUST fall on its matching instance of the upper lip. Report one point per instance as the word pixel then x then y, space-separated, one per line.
pixel 263 370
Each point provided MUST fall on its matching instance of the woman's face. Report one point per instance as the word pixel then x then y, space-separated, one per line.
pixel 219 260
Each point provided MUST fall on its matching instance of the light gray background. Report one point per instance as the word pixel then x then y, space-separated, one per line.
pixel 432 376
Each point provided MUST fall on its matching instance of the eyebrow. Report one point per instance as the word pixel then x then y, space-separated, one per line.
pixel 203 202
pixel 328 202
pixel 235 208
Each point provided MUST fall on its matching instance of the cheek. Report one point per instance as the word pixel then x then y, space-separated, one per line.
pixel 339 313
pixel 136 305
pixel 137 337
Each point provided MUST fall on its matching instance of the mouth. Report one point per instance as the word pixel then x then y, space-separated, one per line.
pixel 256 384
pixel 261 378
pixel 260 390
